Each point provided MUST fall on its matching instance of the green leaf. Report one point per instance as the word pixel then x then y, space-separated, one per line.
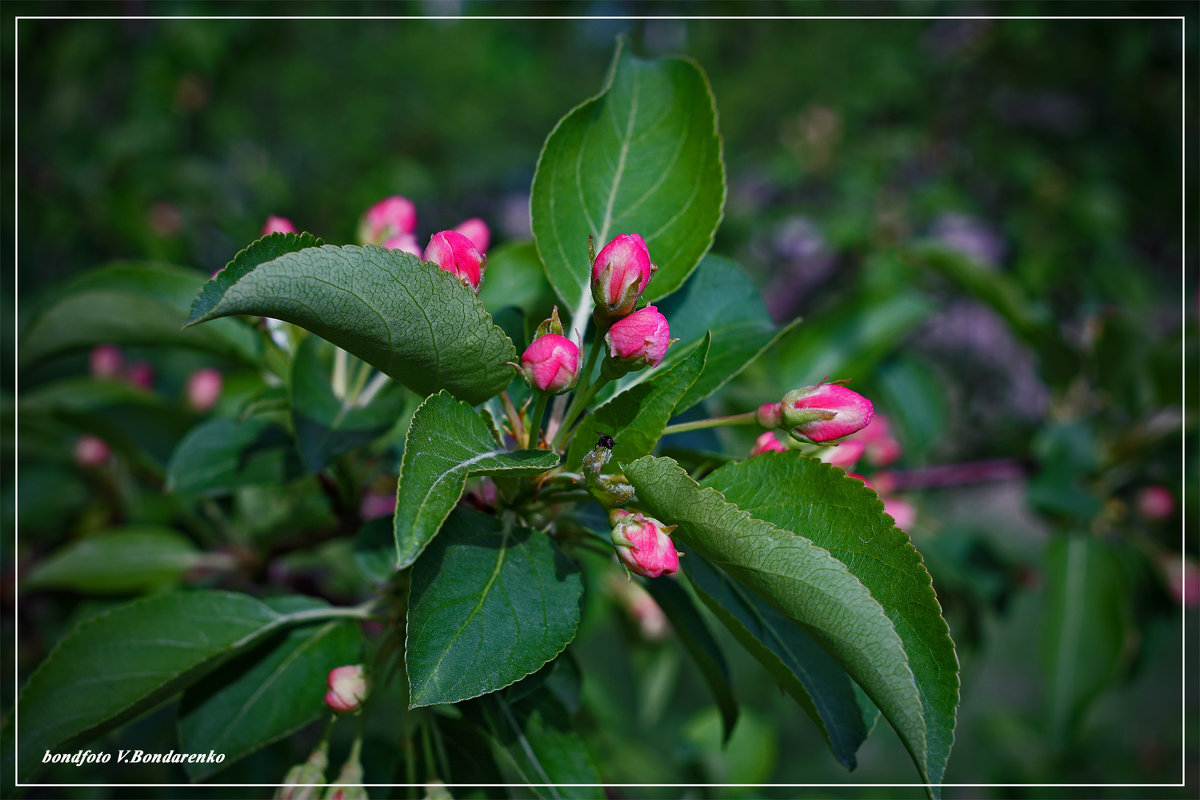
pixel 130 303
pixel 375 550
pixel 221 455
pixel 118 561
pixel 1086 626
pixel 116 665
pixel 448 441
pixel 488 605
pixel 842 516
pixel 324 426
pixel 643 156
pixel 408 318
pixel 803 581
pixel 536 738
pixel 695 637
pixel 805 671
pixel 721 299
pixel 637 417
pixel 268 692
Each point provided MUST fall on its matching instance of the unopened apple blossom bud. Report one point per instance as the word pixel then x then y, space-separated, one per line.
pixel 825 412
pixel 843 455
pixel 767 443
pixel 643 544
pixel 391 216
pixel 91 452
pixel 637 341
pixel 204 389
pixel 477 231
pixel 106 361
pixel 310 772
pixel 141 375
pixel 550 364
pixel 347 688
pixel 405 243
pixel 1156 503
pixel 769 415
pixel 620 274
pixel 278 225
pixel 456 253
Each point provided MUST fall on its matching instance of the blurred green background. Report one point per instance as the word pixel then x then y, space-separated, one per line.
pixel 1039 160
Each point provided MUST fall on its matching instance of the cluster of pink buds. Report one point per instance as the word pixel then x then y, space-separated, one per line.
pixel 635 339
pixel 347 688
pixel 392 223
pixel 643 543
pixel 107 362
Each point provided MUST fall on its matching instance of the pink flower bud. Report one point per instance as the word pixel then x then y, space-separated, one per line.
pixel 389 217
pixel 347 688
pixel 477 231
pixel 141 374
pixel 91 452
pixel 456 253
pixel 405 243
pixel 620 274
pixel 767 443
pixel 901 511
pixel 278 225
pixel 106 361
pixel 644 544
pixel 204 389
pixel 770 415
pixel 843 455
pixel 825 412
pixel 1156 503
pixel 297 783
pixel 640 339
pixel 550 364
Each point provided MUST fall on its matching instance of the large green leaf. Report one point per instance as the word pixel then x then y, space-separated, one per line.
pixel 122 560
pixel 268 692
pixel 721 299
pixel 416 322
pixel 536 738
pixel 447 442
pixel 803 669
pixel 841 515
pixel 324 426
pixel 695 637
pixel 803 581
pixel 643 156
pixel 222 454
pixel 116 665
pixel 133 304
pixel 489 604
pixel 636 417
pixel 1085 626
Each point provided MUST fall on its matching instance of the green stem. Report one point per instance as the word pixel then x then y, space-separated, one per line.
pixel 364 611
pixel 716 422
pixel 360 380
pixel 427 749
pixel 535 422
pixel 577 407
pixel 340 365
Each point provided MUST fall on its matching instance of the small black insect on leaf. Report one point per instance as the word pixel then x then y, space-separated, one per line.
pixel 606 441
